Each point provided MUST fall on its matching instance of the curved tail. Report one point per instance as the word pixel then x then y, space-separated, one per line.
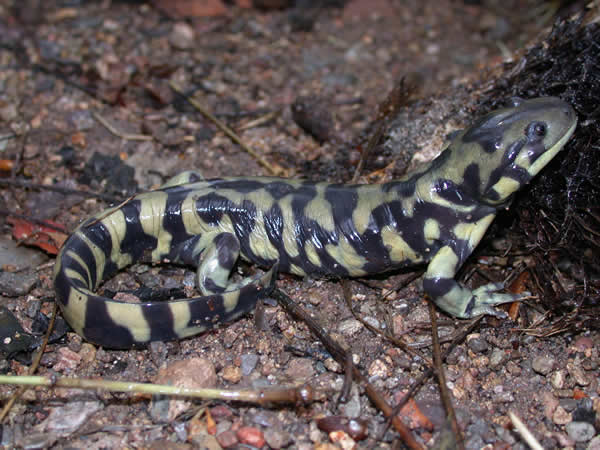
pixel 87 258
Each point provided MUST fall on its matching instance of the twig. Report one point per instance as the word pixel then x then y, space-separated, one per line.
pixel 33 368
pixel 429 371
pixel 439 369
pixel 340 355
pixel 373 140
pixel 402 94
pixel 401 285
pixel 347 386
pixel 62 190
pixel 91 91
pixel 122 135
pixel 524 432
pixel 108 212
pixel 260 120
pixel 397 342
pixel 302 394
pixel 273 169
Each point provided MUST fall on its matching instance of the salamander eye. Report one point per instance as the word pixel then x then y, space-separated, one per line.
pixel 536 130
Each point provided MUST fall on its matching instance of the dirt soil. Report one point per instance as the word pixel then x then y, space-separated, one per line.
pixel 85 103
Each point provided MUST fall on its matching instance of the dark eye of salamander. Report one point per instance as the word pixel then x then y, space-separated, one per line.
pixel 536 130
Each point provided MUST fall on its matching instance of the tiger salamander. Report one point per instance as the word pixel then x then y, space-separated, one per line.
pixel 436 216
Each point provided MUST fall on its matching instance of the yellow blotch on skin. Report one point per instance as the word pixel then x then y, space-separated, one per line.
pixel 364 208
pixel 77 306
pixel 408 206
pixel 130 316
pixel 231 300
pixel 259 241
pixel 152 211
pixel 287 235
pixel 347 257
pixel 116 226
pixel 74 274
pixel 506 186
pixel 311 254
pixel 443 264
pixel 473 232
pixel 319 210
pixel 192 223
pixel 431 230
pixel 180 310
pixel 297 270
pixel 100 258
pixel 397 247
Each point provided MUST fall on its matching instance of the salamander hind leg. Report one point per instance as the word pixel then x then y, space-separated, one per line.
pixel 218 260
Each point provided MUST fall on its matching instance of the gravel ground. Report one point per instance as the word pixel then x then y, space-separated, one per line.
pixel 85 103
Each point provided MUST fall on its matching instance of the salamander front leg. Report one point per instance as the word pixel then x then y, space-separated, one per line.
pixel 456 300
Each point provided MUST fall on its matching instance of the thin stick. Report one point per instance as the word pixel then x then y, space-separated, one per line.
pixel 118 133
pixel 260 120
pixel 341 357
pixel 62 190
pixel 273 169
pixel 532 442
pixel 397 342
pixel 259 396
pixel 401 95
pixel 439 369
pixel 429 371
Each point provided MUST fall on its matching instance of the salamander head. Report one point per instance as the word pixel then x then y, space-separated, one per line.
pixel 505 149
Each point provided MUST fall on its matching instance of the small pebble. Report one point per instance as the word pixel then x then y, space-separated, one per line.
pixel 342 439
pixel 68 418
pixel 182 36
pixel 300 369
pixel 498 357
pixel 248 363
pixel 477 344
pixel 560 416
pixel 251 436
pixel 543 364
pixel 578 374
pixel 232 374
pixel 349 327
pixel 277 438
pixel 379 369
pixel 352 407
pixel 227 439
pixel 8 112
pixel 15 284
pixel 583 343
pixel 67 360
pixel 557 379
pixel 193 373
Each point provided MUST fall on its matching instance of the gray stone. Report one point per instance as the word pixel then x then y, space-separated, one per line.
pixel 248 363
pixel 580 431
pixel 543 364
pixel 14 284
pixel 18 256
